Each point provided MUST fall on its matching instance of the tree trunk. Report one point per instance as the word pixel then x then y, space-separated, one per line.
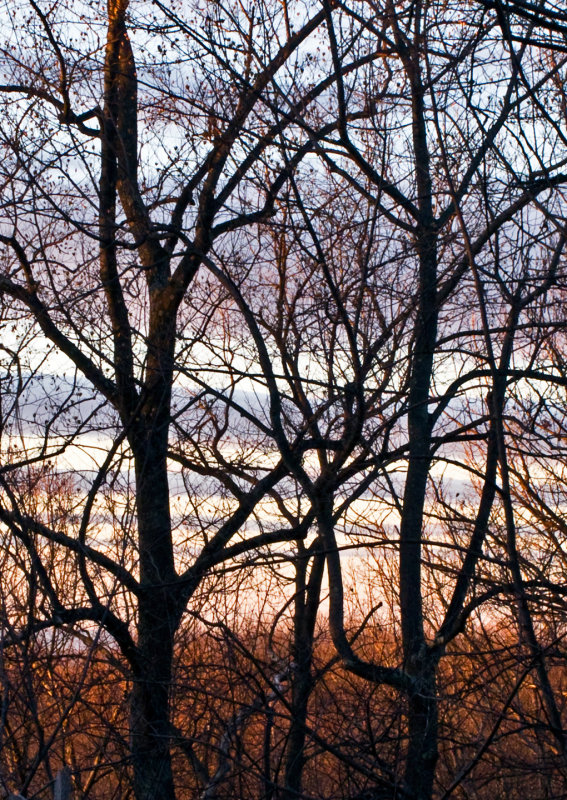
pixel 422 750
pixel 418 661
pixel 149 711
pixel 157 618
pixel 306 606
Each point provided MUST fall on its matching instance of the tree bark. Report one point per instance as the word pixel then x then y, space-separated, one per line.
pixel 306 606
pixel 145 415
pixel 157 622
pixel 419 662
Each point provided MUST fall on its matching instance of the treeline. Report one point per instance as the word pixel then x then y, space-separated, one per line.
pixel 232 708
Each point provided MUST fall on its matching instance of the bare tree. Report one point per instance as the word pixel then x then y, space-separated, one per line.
pixel 115 243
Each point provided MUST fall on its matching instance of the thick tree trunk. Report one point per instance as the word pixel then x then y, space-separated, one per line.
pixel 149 710
pixel 422 750
pixel 157 610
pixel 157 622
pixel 145 416
pixel 147 419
